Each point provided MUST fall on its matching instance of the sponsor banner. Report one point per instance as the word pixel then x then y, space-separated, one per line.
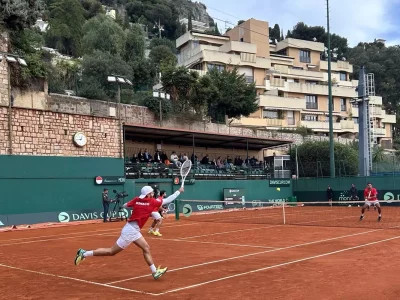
pixel 279 182
pixel 109 180
pixel 234 197
pixel 177 180
pixel 73 216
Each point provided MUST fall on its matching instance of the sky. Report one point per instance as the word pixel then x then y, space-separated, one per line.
pixel 357 20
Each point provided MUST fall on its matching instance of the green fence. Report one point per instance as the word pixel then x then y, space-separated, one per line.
pixel 38 188
pixel 314 189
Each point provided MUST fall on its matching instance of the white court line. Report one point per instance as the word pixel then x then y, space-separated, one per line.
pixel 278 265
pixel 111 230
pixel 225 232
pixel 251 254
pixel 77 279
pixel 225 244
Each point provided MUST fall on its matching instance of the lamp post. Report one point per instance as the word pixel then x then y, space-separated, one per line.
pixel 11 58
pixel 119 80
pixel 160 96
pixel 159 27
pixel 331 141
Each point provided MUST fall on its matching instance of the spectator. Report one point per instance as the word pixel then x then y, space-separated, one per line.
pixel 164 157
pixel 175 159
pixel 329 194
pixel 353 192
pixel 134 159
pixel 205 160
pixel 140 156
pixel 219 162
pixel 193 158
pixel 181 157
pixel 147 156
pixel 185 157
pixel 157 156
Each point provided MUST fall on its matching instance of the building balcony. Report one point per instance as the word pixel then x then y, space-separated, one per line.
pixel 257 122
pixel 389 119
pixel 309 89
pixel 339 66
pixel 239 47
pixel 320 126
pixel 348 126
pixel 379 131
pixel 297 73
pixel 283 103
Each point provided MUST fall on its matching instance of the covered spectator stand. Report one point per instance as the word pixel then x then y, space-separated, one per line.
pixel 197 142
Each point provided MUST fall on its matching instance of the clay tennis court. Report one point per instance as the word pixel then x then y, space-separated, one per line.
pixel 208 259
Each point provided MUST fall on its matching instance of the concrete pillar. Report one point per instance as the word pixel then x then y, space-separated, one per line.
pixel 4 96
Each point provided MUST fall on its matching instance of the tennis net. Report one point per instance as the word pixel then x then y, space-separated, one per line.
pixel 334 214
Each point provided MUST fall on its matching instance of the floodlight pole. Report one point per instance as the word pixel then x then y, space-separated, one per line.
pixel 331 141
pixel 119 119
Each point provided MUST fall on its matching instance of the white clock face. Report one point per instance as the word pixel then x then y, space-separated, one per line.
pixel 80 139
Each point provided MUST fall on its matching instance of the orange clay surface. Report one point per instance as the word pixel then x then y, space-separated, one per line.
pixel 206 260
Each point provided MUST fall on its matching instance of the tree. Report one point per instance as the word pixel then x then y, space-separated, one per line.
pixel 135 43
pixel 235 96
pixel 96 67
pixel 275 33
pixel 103 34
pixel 17 15
pixel 65 27
pixel 240 22
pixel 92 8
pixel 162 55
pixel 163 41
pixel 313 159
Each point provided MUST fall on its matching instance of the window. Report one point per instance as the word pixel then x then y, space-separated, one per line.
pixel 311 102
pixel 310 118
pixel 270 114
pixel 305 56
pixel 343 106
pixel 343 76
pixel 290 118
pixel 355 120
pixel 220 68
pixel 311 82
pixel 333 104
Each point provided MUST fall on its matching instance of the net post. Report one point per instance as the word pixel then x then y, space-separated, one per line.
pixel 284 215
pixel 177 209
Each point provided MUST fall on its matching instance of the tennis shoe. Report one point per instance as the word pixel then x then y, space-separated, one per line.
pixel 379 218
pixel 79 257
pixel 361 218
pixel 160 272
pixel 158 233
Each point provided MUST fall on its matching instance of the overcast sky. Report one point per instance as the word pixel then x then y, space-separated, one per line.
pixel 357 20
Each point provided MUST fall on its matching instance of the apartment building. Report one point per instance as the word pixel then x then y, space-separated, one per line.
pixel 291 80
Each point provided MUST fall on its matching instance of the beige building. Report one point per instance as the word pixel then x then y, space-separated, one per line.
pixel 290 77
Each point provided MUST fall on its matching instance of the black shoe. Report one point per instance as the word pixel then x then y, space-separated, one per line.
pixel 379 218
pixel 361 217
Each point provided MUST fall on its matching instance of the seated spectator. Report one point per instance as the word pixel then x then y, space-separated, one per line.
pixel 134 159
pixel 157 156
pixel 175 159
pixel 205 160
pixel 194 158
pixel 140 156
pixel 253 161
pixel 164 157
pixel 185 157
pixel 219 162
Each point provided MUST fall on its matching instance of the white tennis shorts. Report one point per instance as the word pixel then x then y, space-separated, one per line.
pixel 374 202
pixel 156 215
pixel 129 233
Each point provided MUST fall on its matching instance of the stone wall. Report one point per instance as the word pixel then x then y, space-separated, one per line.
pixel 38 132
pixel 3 70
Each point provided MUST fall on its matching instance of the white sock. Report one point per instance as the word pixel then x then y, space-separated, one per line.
pixel 88 253
pixel 153 269
pixel 157 229
pixel 151 229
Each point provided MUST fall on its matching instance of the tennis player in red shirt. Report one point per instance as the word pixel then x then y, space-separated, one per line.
pixel 371 198
pixel 142 207
pixel 157 217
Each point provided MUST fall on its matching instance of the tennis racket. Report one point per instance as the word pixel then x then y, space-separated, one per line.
pixel 185 170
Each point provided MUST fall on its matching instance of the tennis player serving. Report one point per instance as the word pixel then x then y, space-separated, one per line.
pixel 371 198
pixel 142 207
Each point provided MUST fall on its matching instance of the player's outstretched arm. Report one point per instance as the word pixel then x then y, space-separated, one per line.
pixel 173 196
